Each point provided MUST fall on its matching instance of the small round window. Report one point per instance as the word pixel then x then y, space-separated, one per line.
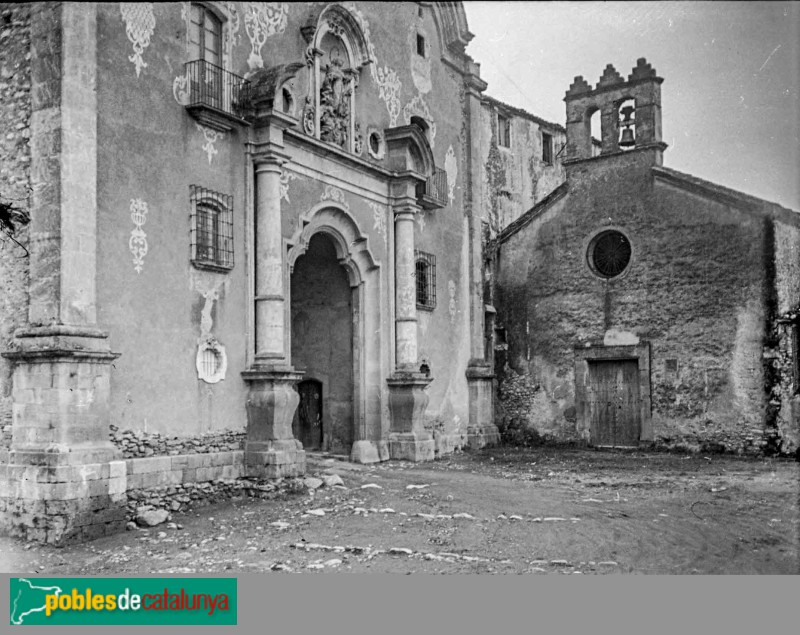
pixel 609 253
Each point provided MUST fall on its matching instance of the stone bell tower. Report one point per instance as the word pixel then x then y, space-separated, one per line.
pixel 622 129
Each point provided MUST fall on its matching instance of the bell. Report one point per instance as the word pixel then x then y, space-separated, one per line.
pixel 627 139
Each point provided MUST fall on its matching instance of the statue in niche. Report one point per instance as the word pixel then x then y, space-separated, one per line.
pixel 334 104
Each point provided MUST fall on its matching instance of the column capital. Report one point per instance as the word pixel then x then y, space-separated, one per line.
pixel 265 157
pixel 406 211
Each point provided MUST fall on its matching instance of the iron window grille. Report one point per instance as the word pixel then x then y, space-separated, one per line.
pixel 425 275
pixel 211 229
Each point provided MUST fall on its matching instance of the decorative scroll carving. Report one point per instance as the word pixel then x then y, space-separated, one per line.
pixel 309 118
pixel 139 24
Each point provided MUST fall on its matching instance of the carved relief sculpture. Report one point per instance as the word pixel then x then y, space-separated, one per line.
pixel 334 105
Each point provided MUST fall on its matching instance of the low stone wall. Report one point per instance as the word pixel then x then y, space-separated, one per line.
pixel 175 483
pixel 135 443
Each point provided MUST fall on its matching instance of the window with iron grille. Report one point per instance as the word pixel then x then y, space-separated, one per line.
pixel 211 229
pixel 425 274
pixel 503 131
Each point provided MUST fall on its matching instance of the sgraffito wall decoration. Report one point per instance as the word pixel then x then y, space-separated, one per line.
pixel 286 177
pixel 261 20
pixel 379 220
pixel 139 25
pixel 211 361
pixel 138 240
pixel 386 79
pixel 211 137
pixel 336 195
pixel 230 34
pixel 419 108
pixel 180 89
pixel 451 167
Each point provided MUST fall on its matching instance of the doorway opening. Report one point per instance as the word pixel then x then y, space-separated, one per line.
pixel 322 347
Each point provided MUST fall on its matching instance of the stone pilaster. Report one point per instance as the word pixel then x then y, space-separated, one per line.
pixel 64 480
pixel 481 430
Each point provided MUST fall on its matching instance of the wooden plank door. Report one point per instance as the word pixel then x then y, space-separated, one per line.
pixel 614 406
pixel 310 414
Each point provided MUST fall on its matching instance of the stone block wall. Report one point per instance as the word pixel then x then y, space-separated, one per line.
pixel 137 443
pixel 700 289
pixel 15 183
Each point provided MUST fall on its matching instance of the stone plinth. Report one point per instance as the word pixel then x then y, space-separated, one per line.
pixel 408 399
pixel 270 450
pixel 481 431
pixel 64 480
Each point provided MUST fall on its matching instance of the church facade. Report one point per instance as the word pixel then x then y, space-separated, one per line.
pixel 641 306
pixel 262 229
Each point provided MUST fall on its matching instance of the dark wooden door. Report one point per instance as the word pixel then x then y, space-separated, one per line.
pixel 310 414
pixel 614 406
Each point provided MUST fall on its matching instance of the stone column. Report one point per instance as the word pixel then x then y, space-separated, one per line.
pixel 481 429
pixel 270 298
pixel 408 398
pixel 64 479
pixel 271 451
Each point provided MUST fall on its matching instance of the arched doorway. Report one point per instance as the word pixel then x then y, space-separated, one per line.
pixel 322 347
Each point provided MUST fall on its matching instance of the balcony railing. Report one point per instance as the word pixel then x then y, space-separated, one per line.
pixel 433 193
pixel 216 96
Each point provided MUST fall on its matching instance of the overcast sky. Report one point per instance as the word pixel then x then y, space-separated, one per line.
pixel 730 103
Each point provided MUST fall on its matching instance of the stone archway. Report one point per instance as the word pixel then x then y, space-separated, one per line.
pixel 322 348
pixel 331 229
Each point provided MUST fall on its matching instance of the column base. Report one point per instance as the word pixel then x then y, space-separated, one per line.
pixel 484 436
pixel 369 452
pixel 412 446
pixel 64 481
pixel 481 430
pixel 57 503
pixel 274 459
pixel 270 450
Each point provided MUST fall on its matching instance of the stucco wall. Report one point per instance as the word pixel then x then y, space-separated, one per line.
pixel 515 178
pixel 696 289
pixel 15 157
pixel 150 151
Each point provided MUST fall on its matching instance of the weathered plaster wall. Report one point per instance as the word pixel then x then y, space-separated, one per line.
pixel 515 178
pixel 696 289
pixel 15 158
pixel 151 151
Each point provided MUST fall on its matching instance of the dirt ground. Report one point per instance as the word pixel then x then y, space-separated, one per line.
pixel 557 511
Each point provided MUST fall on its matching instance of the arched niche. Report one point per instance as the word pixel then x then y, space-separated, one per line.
pixel 336 54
